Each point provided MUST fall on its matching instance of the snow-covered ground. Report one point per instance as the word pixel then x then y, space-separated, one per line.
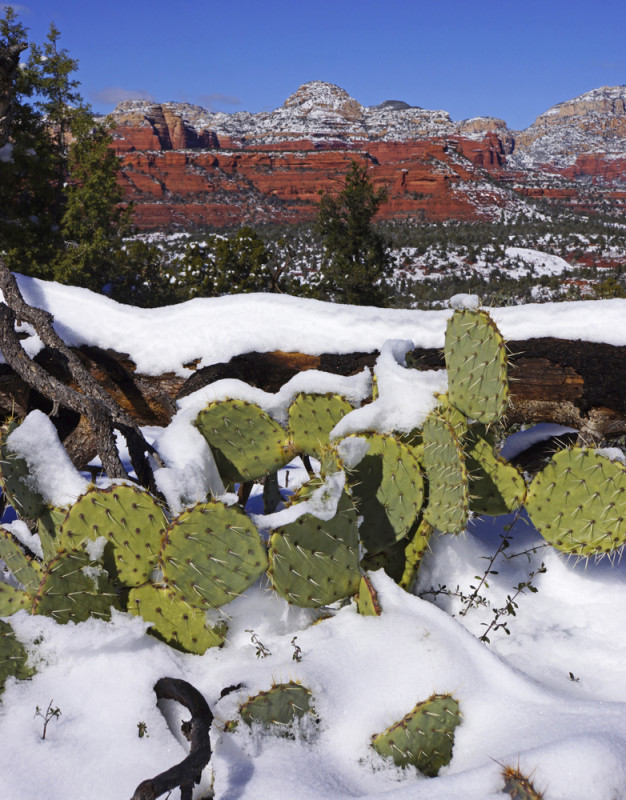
pixel 550 696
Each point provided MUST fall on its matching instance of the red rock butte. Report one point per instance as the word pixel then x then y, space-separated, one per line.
pixel 184 167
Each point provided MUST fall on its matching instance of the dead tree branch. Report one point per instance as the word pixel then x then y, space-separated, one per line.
pixel 189 771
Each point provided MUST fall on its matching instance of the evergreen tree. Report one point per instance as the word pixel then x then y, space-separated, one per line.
pixel 237 264
pixel 60 214
pixel 356 262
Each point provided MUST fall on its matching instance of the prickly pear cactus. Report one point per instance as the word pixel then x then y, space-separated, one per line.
pixel 13 656
pixel 313 563
pixel 311 419
pixel 388 491
pixel 578 503
pixel 367 602
pixel 280 705
pixel 212 554
pixel 129 518
pixel 12 599
pixel 173 620
pixel 477 366
pixel 246 442
pixel 15 479
pixel 414 552
pixel 73 589
pixel 496 487
pixel 424 738
pixel 518 786
pixel 448 480
pixel 23 568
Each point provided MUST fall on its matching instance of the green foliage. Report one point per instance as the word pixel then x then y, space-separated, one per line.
pixel 424 738
pixel 221 265
pixel 356 262
pixel 60 213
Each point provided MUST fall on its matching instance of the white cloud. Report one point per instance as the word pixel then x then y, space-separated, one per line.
pixel 212 101
pixel 115 94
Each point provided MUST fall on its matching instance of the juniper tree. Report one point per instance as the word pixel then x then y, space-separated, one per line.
pixel 356 262
pixel 60 214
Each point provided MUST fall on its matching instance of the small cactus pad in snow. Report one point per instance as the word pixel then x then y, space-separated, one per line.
pixel 518 786
pixel 424 738
pixel 578 503
pixel 477 366
pixel 74 589
pixel 281 705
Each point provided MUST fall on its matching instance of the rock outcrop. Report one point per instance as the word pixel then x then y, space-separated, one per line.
pixel 184 166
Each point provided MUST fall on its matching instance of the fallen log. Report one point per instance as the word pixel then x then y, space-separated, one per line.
pixel 574 383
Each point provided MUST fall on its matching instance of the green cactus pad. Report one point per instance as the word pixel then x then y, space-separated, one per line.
pixel 129 518
pixel 424 738
pixel 212 554
pixel 414 552
pixel 246 442
pixel 311 419
pixel 15 479
pixel 13 656
pixel 367 599
pixel 518 786
pixel 448 481
pixel 12 599
pixel 578 503
pixel 477 366
pixel 49 529
pixel 496 487
pixel 24 569
pixel 388 491
pixel 173 620
pixel 314 563
pixel 392 560
pixel 74 589
pixel 280 705
pixel 451 414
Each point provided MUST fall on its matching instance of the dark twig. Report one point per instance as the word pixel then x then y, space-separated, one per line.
pixel 189 771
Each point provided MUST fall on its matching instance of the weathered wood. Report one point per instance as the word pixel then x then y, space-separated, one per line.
pixel 574 383
pixel 186 774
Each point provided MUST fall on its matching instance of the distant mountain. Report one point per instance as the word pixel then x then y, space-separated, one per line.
pixel 182 165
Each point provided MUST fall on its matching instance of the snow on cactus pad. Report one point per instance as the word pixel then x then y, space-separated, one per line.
pixel 578 503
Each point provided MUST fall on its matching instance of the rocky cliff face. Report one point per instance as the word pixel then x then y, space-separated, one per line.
pixel 183 166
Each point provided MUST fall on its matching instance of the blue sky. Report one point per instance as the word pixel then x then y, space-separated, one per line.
pixel 510 60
